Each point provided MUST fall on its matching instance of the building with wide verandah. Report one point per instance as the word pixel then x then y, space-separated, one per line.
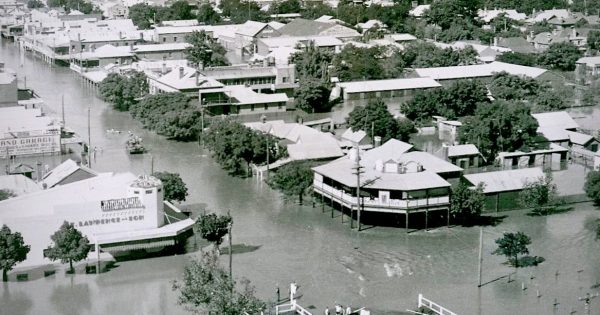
pixel 393 181
pixel 118 213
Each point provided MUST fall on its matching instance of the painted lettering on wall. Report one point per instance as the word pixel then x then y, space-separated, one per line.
pixel 132 218
pixel 121 204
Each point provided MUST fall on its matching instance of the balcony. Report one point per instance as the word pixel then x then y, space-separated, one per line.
pixel 378 205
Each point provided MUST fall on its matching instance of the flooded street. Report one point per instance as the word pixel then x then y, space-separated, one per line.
pixel 383 269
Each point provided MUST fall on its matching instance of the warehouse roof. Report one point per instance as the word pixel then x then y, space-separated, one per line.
pixel 389 85
pixel 501 181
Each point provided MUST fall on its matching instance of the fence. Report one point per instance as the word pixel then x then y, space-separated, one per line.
pixel 438 309
pixel 291 307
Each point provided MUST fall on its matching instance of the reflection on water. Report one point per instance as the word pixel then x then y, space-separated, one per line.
pixel 71 299
pixel 381 268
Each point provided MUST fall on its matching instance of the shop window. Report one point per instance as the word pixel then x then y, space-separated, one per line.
pixel 22 277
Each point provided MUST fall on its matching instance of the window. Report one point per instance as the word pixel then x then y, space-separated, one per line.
pixel 136 192
pixel 82 47
pixel 148 191
pixel 160 189
pixel 279 105
pixel 252 107
pixel 22 277
pixel 174 38
pixel 266 106
pixel 285 79
pixel 164 39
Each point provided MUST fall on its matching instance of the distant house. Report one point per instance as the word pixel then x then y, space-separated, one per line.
pixel 247 34
pixel 583 141
pixel 102 56
pixel 554 126
pixel 488 15
pixel 394 181
pixel 463 155
pixel 546 15
pixel 371 24
pixel 65 173
pixel 240 100
pixel 303 27
pixel 552 157
pixel 502 188
pixel 587 69
pixel 516 44
pixel 267 45
pixel 576 36
pixel 357 138
pixel 172 51
pixel 182 79
pixel 400 38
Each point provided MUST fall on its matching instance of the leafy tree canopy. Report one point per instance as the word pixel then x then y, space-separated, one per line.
pixel 69 245
pixel 213 227
pixel 205 51
pixel 34 4
pixel 376 120
pixel 123 91
pixel 239 11
pixel 207 288
pixel 174 188
pixel 499 126
pixel 467 202
pixel 512 245
pixel 312 96
pixel 12 250
pixel 358 63
pixel 292 179
pixel 518 58
pixel 561 56
pixel 207 14
pixel 539 194
pixel 592 186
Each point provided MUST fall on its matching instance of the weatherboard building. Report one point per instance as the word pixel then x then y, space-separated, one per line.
pixel 118 213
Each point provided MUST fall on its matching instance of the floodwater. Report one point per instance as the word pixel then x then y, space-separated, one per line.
pixel 381 268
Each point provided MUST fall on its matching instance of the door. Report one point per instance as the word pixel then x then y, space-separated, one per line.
pixel 384 197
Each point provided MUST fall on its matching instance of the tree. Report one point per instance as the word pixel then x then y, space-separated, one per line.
pixel 285 7
pixel 358 63
pixel 312 62
pixel 467 202
pixel 561 56
pixel 499 126
pixel 292 179
pixel 213 227
pixel 205 51
pixel 376 120
pixel 34 4
pixel 314 10
pixel 174 188
pixel 549 100
pixel 513 87
pixel 593 40
pixel 123 91
pixel 169 114
pixel 459 100
pixel 207 14
pixel 518 58
pixel 592 186
pixel 241 11
pixel 12 250
pixel 182 10
pixel 444 13
pixel 236 146
pixel 312 96
pixel 512 245
pixel 142 15
pixel 539 195
pixel 5 194
pixel 69 245
pixel 207 288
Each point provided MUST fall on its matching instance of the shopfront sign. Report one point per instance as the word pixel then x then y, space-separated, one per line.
pixel 30 145
pixel 121 204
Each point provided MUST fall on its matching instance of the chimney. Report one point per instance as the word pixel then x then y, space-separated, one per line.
pixel 414 4
pixel 142 36
pixel 376 141
pixel 197 77
pixel 1 67
pixel 131 46
pixel 180 72
pixel 38 171
pixel 164 68
pixel 444 151
pixel 120 34
pixel 530 37
pixel 495 41
pixel 573 32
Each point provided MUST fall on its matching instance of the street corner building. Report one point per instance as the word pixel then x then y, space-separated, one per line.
pixel 118 213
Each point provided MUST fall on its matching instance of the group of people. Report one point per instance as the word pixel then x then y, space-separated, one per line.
pixel 339 310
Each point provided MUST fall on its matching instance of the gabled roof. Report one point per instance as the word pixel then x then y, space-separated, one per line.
pixel 185 79
pixel 511 180
pixel 303 27
pixel 579 138
pixel 560 120
pixel 419 10
pixel 64 170
pixel 589 61
pixel 488 15
pixel 429 162
pixel 354 136
pixel 462 150
pixel 389 85
pixel 392 149
pixel 517 44
pixel 251 28
pixel 475 71
pixel 548 14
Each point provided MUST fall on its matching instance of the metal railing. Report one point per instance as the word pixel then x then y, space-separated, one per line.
pixel 438 309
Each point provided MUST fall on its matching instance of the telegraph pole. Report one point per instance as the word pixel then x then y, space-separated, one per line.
pixel 89 142
pixel 63 110
pixel 480 254
pixel 230 242
pixel 358 170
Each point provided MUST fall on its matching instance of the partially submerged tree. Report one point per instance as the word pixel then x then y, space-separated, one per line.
pixel 512 245
pixel 174 188
pixel 539 195
pixel 69 245
pixel 5 194
pixel 123 91
pixel 292 179
pixel 467 202
pixel 207 288
pixel 12 250
pixel 213 227
pixel 592 186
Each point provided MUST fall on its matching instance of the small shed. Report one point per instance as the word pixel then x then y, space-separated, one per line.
pixel 502 188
